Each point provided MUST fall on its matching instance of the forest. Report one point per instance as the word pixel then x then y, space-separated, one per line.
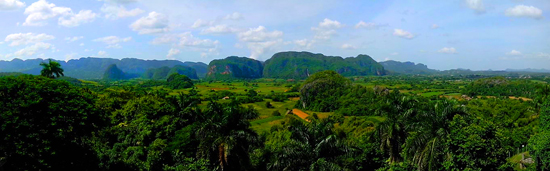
pixel 327 121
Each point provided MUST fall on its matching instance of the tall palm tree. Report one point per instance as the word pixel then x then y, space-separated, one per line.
pixel 394 130
pixel 425 147
pixel 52 69
pixel 225 136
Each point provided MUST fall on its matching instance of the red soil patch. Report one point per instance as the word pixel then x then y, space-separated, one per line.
pixel 300 114
pixel 294 98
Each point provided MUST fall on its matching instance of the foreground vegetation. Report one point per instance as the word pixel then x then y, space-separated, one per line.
pixel 355 123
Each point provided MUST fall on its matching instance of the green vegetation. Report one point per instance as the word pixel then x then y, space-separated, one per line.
pixel 299 65
pixel 163 72
pixel 51 69
pixel 395 122
pixel 234 68
pixel 406 67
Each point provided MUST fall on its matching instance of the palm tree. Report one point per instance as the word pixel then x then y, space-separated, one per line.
pixel 426 146
pixel 225 136
pixel 393 132
pixel 52 69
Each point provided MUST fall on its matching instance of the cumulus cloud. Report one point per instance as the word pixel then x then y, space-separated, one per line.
pixel 394 54
pixel 259 34
pixel 8 5
pixel 113 11
pixel 304 43
pixel 27 38
pixel 403 34
pixel 70 56
pixel 83 16
pixel 40 11
pixel 234 16
pixel 189 42
pixel 476 5
pixel 172 52
pixel 326 29
pixel 259 48
pixel 348 47
pixel 435 26
pixel 514 53
pixel 202 23
pixel 153 23
pixel 219 29
pixel 75 38
pixel 365 25
pixel 113 41
pixel 524 11
pixel 31 50
pixel 448 50
pixel 102 53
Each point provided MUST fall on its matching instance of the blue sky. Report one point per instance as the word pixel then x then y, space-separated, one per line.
pixel 473 34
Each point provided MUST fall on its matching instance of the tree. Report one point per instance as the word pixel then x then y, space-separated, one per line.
pixel 539 144
pixel 321 91
pixel 178 81
pixel 44 124
pixel 426 147
pixel 52 69
pixel 225 136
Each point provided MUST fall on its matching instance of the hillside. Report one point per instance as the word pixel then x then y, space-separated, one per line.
pixel 234 67
pixel 162 73
pixel 406 67
pixel 93 68
pixel 300 65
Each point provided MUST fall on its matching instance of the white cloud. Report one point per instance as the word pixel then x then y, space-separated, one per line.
pixel 348 47
pixel 83 16
pixel 70 56
pixel 330 24
pixel 40 11
pixel 153 23
pixel 304 43
pixel 8 5
pixel 435 26
pixel 514 53
pixel 234 16
pixel 362 24
pixel 202 23
pixel 113 41
pixel 394 54
pixel 448 50
pixel 219 29
pixel 543 55
pixel 259 48
pixel 172 52
pixel 75 38
pixel 259 34
pixel 31 50
pixel 81 44
pixel 102 53
pixel 113 11
pixel 403 34
pixel 524 11
pixel 189 42
pixel 326 29
pixel 27 38
pixel 476 5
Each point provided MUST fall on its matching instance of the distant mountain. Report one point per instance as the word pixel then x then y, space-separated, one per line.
pixel 162 73
pixel 299 65
pixel 200 68
pixel 234 67
pixel 113 73
pixel 407 67
pixel 529 70
pixel 93 68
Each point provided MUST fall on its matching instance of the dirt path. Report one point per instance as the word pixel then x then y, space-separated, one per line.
pixel 300 114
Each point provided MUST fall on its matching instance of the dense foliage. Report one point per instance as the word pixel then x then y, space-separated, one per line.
pixel 500 86
pixel 163 72
pixel 299 65
pixel 406 67
pixel 234 68
pixel 178 81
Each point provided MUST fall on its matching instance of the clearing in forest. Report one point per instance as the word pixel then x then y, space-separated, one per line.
pixel 300 114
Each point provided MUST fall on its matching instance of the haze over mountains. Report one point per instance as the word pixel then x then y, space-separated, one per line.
pixel 286 65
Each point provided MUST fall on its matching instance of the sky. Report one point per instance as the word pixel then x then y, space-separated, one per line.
pixel 443 34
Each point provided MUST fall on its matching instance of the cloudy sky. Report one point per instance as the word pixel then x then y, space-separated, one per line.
pixel 474 34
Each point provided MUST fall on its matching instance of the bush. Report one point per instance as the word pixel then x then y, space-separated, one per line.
pixel 276 113
pixel 268 105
